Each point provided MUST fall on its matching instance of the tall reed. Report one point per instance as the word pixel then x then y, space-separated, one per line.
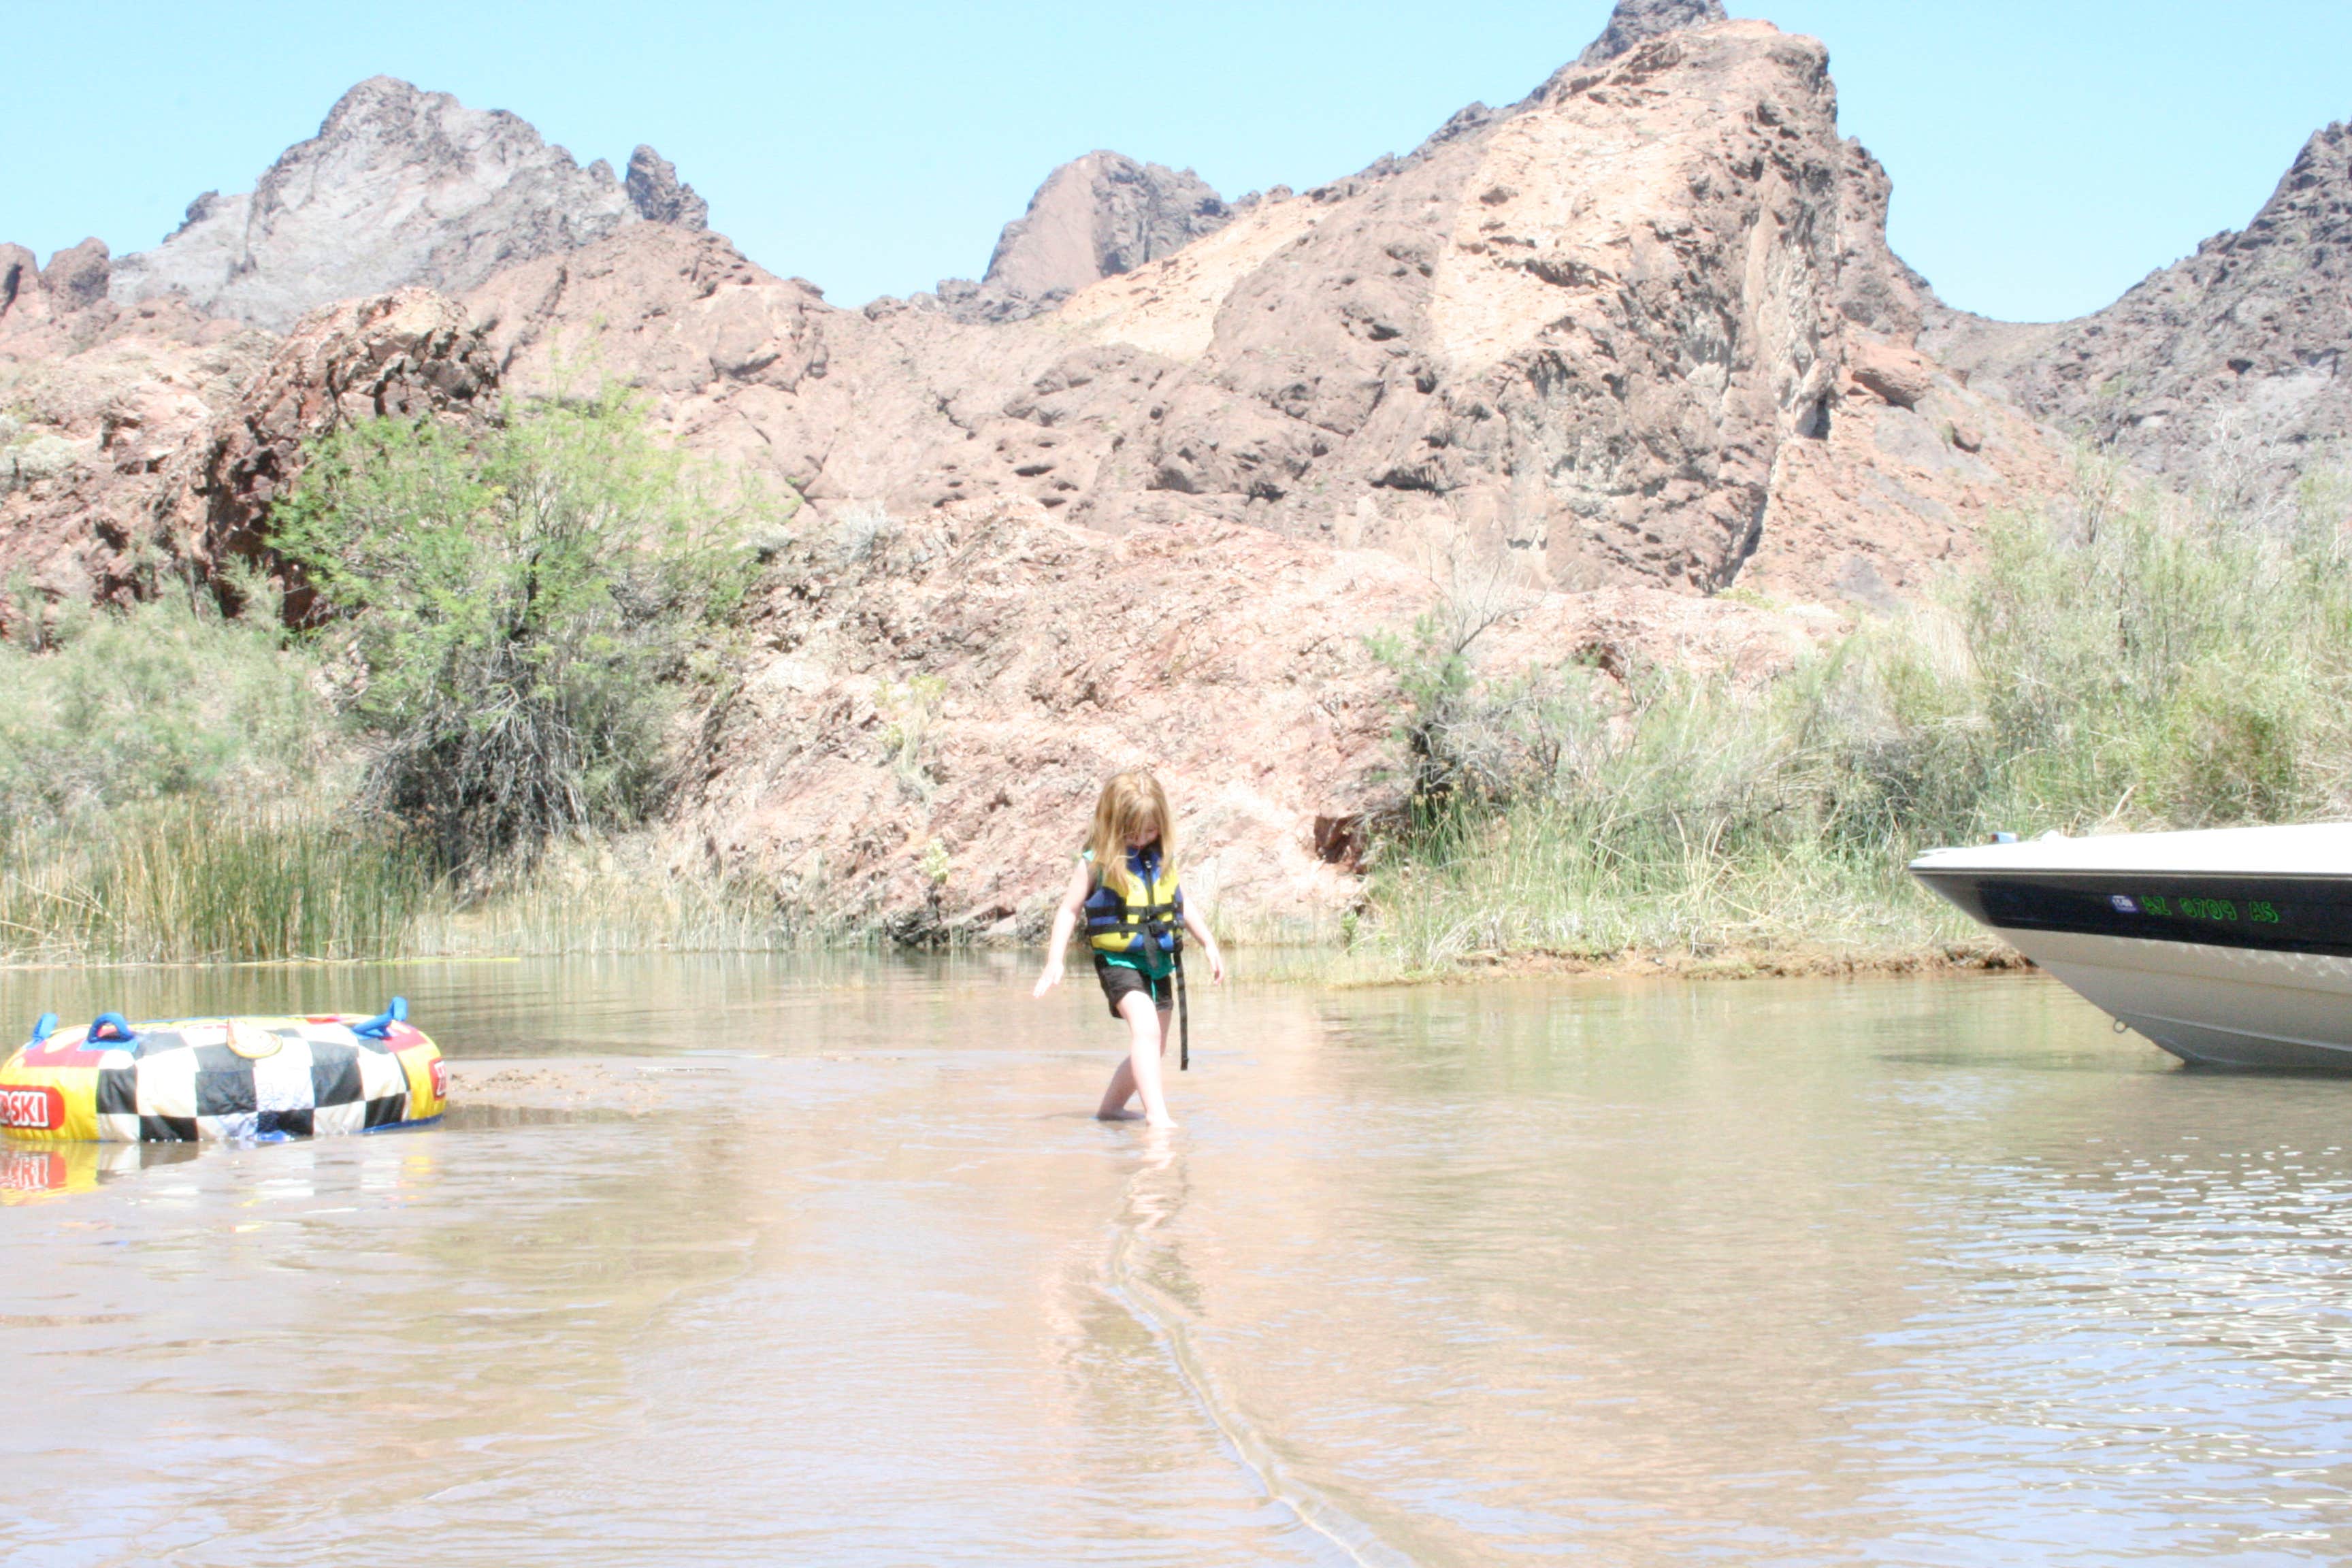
pixel 189 881
pixel 184 881
pixel 2156 664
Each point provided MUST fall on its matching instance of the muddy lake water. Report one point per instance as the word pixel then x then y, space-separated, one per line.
pixel 823 1261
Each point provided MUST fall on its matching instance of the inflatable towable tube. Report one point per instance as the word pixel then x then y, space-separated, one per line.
pixel 185 1081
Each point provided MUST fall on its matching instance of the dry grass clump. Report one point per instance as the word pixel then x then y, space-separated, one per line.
pixel 168 791
pixel 187 881
pixel 2149 665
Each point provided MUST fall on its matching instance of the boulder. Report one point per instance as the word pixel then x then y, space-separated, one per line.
pixel 1896 376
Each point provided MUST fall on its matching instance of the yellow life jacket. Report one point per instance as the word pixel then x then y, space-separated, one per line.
pixel 1146 922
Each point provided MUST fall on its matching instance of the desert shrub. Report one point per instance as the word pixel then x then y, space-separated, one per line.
pixel 1462 740
pixel 170 790
pixel 524 599
pixel 165 699
pixel 2151 665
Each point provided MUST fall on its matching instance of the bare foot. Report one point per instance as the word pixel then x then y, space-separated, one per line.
pixel 1118 1116
pixel 1161 1123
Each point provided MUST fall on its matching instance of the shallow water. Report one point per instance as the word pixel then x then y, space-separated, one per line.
pixel 1883 1272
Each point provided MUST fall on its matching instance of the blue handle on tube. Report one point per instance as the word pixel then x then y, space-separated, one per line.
pixel 377 1028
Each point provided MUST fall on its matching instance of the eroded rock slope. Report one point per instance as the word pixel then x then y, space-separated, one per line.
pixel 1641 328
pixel 2226 368
pixel 144 446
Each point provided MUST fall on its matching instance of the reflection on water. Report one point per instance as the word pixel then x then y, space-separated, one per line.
pixel 1932 1272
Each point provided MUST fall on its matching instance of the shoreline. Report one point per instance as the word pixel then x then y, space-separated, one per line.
pixel 1805 963
pixel 1820 962
pixel 1762 964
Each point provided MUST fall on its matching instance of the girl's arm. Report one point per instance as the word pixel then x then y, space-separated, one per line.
pixel 1199 930
pixel 1065 920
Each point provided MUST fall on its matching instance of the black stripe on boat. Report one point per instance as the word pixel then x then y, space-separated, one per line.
pixel 2272 914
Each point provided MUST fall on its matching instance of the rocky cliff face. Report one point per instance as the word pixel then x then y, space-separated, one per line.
pixel 412 353
pixel 939 698
pixel 1094 217
pixel 1641 328
pixel 1637 336
pixel 2226 368
pixel 147 441
pixel 1631 340
pixel 399 187
pixel 95 399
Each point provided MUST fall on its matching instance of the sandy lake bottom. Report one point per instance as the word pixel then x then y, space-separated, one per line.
pixel 822 1261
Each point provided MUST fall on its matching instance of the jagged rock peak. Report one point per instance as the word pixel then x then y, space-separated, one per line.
pixel 2224 370
pixel 1093 218
pixel 76 278
pixel 1636 20
pixel 400 186
pixel 2315 196
pixel 659 195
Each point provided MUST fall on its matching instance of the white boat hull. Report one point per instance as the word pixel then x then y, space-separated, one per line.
pixel 2228 947
pixel 2216 1006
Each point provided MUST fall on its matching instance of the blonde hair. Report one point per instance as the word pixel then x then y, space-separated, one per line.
pixel 1128 802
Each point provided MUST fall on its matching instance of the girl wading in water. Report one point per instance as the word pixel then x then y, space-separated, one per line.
pixel 1125 889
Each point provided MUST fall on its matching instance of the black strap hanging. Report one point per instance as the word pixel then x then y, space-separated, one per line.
pixel 1184 1017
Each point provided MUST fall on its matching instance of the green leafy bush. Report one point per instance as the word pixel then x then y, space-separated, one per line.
pixel 164 700
pixel 170 786
pixel 523 600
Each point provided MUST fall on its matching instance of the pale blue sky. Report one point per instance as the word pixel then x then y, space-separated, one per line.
pixel 2046 154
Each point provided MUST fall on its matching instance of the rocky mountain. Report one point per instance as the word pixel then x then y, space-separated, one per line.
pixel 1642 327
pixel 1094 217
pixel 1635 338
pixel 1608 350
pixel 399 187
pixel 2225 369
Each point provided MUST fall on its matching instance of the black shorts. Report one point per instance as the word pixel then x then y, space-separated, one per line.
pixel 1119 980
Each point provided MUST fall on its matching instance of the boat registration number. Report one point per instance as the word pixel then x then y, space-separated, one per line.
pixel 2258 911
pixel 41 1110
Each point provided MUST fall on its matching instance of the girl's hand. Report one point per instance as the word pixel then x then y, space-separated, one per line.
pixel 1216 966
pixel 1050 978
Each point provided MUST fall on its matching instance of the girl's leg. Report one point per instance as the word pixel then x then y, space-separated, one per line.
pixel 1121 1087
pixel 1116 1093
pixel 1139 1075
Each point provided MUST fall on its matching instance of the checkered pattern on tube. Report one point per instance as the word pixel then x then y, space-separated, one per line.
pixel 322 1080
